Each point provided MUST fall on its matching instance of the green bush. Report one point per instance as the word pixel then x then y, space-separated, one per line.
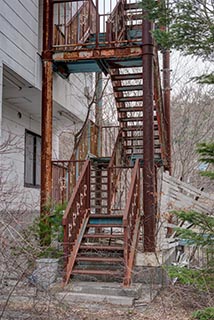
pixel 205 314
pixel 44 238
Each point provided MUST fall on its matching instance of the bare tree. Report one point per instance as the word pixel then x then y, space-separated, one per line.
pixel 192 122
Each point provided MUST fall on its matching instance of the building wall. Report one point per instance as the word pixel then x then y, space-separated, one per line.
pixel 20 49
pixel 14 196
pixel 19 36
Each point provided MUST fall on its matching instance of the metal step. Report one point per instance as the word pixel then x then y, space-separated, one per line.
pixel 101 248
pixel 101 183
pixel 131 119
pixel 104 225
pixel 132 6
pixel 128 88
pixel 100 259
pixel 131 109
pixel 137 128
pixel 99 198
pixel 127 138
pixel 139 147
pixel 98 191
pixel 129 99
pixel 103 236
pixel 128 76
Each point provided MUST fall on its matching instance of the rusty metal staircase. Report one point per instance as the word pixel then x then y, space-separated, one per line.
pixel 103 216
pixel 128 91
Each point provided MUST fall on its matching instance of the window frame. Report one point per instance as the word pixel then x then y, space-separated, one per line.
pixel 35 163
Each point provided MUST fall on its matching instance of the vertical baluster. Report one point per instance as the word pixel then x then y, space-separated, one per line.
pixel 65 29
pixel 58 38
pixel 89 16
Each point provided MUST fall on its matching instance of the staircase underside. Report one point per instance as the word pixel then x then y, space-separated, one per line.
pixel 91 61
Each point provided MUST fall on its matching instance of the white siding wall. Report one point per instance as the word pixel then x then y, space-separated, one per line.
pixel 20 43
pixel 12 160
pixel 19 36
pixel 20 46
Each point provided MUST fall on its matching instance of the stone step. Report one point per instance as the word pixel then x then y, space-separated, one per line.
pixel 87 297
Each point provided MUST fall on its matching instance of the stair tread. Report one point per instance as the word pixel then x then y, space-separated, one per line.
pixel 140 147
pixel 104 225
pixel 128 88
pixel 136 128
pixel 101 198
pixel 129 98
pixel 98 272
pixel 99 259
pixel 134 118
pixel 131 109
pixel 128 76
pixel 99 247
pixel 110 216
pixel 156 137
pixel 131 6
pixel 103 236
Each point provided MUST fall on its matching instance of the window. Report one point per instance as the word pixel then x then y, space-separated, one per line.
pixel 32 159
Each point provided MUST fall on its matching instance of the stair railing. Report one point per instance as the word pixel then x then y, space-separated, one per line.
pixel 160 112
pixel 65 174
pixel 75 218
pixel 114 171
pixel 116 23
pixel 77 29
pixel 131 223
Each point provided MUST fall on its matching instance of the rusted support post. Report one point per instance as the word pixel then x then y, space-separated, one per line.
pixel 166 88
pixel 47 107
pixel 98 111
pixel 148 139
pixel 97 23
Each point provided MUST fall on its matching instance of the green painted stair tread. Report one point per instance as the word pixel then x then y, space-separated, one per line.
pixel 105 220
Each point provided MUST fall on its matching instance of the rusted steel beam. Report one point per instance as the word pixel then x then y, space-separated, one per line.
pixel 148 139
pixel 99 53
pixel 98 109
pixel 167 88
pixel 47 108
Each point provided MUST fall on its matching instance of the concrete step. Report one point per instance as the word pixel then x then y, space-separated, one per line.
pixel 87 297
pixel 103 288
pixel 114 293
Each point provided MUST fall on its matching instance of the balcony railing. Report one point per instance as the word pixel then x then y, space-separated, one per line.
pixel 91 23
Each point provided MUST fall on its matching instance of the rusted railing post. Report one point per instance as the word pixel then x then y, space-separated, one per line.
pixel 47 79
pixel 148 138
pixel 166 88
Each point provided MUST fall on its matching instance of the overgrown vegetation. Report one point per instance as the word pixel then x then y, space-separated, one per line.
pixel 206 151
pixel 184 25
pixel 205 314
pixel 198 234
pixel 48 227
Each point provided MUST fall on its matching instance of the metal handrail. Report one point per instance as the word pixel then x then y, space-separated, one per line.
pixel 131 223
pixel 75 218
